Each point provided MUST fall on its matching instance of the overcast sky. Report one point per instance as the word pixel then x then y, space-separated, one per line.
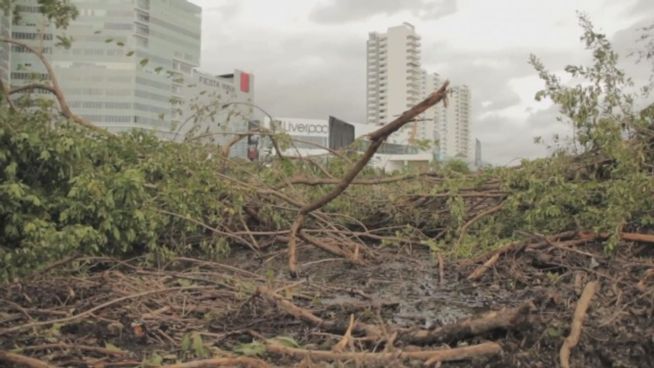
pixel 309 57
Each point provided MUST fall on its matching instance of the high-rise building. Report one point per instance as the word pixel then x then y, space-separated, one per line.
pixel 396 82
pixel 5 48
pixel 478 161
pixel 447 124
pixel 132 63
pixel 394 75
pixel 453 125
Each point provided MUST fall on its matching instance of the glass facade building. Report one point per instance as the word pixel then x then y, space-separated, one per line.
pixel 132 63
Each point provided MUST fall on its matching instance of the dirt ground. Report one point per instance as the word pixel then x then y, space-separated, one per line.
pixel 96 312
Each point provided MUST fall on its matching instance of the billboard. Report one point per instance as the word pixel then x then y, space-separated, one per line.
pixel 304 127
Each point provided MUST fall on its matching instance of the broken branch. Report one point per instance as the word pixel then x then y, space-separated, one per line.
pixel 505 319
pixel 221 362
pixel 462 353
pixel 23 361
pixel 377 138
pixel 575 331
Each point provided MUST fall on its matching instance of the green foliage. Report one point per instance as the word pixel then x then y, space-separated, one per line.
pixel 457 166
pixel 65 191
pixel 251 349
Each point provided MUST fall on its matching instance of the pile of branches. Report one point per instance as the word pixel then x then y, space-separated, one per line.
pixel 67 191
pixel 165 314
pixel 540 296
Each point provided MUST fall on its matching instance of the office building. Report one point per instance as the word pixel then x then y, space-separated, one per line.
pixel 217 108
pixel 132 63
pixel 452 123
pixel 478 161
pixel 5 48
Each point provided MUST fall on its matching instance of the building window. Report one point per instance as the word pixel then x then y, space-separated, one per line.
pixel 31 36
pixel 142 29
pixel 29 76
pixel 118 26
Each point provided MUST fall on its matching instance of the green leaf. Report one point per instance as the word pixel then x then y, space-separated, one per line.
pixel 154 360
pixel 186 343
pixel 112 347
pixel 251 349
pixel 286 341
pixel 198 346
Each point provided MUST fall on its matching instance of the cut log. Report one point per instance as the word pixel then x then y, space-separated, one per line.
pixel 505 319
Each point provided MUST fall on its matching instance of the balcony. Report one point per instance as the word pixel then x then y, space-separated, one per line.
pixel 413 43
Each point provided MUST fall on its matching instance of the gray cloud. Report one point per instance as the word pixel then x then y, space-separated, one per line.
pixel 507 142
pixel 321 71
pixel 635 45
pixel 306 75
pixel 227 10
pixel 642 7
pixel 338 11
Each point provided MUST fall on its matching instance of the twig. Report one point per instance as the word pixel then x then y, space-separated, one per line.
pixel 479 216
pixel 346 341
pixel 23 361
pixel 54 88
pixel 6 93
pixel 644 238
pixel 221 362
pixel 220 265
pixel 210 228
pixel 307 316
pixel 441 270
pixel 373 181
pixel 575 330
pixel 481 270
pixel 376 139
pixel 97 308
pixel 462 353
pixel 93 349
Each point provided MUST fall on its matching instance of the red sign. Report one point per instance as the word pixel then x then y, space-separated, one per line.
pixel 245 82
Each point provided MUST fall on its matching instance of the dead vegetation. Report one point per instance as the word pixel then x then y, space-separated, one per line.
pixel 547 262
pixel 111 313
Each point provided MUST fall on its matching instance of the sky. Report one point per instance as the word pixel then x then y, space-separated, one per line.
pixel 309 56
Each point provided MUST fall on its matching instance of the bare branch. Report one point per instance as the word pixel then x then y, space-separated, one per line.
pixel 377 138
pixel 56 89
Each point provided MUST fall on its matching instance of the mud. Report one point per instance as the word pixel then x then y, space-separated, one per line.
pixel 401 290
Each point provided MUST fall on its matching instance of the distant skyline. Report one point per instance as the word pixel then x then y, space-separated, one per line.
pixel 309 57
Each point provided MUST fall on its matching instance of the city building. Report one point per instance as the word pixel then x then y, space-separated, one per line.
pixel 393 76
pixel 310 136
pixel 315 137
pixel 132 63
pixel 5 48
pixel 478 160
pixel 453 125
pixel 216 108
pixel 396 82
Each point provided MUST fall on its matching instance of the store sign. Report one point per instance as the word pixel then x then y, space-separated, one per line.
pixel 306 128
